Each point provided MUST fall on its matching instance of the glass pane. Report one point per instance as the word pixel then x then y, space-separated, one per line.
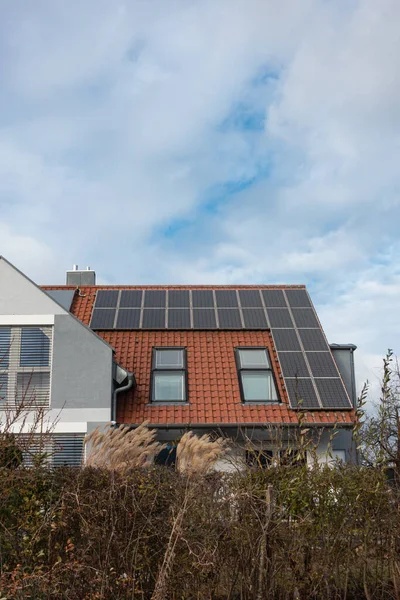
pixel 169 387
pixel 35 348
pixel 5 341
pixel 169 359
pixel 253 359
pixel 3 387
pixel 33 389
pixel 258 386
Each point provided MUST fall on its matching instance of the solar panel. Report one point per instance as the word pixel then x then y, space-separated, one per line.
pixel 332 393
pixel 322 364
pixel 293 364
pixel 254 318
pixel 153 318
pixel 107 298
pixel 305 317
pixel 280 317
pixel 313 339
pixel 286 339
pixel 250 298
pixel 204 318
pixel 298 298
pixel 226 298
pixel 301 393
pixel 178 318
pixel 103 318
pixel 155 298
pixel 202 299
pixel 131 298
pixel 178 299
pixel 273 298
pixel 128 318
pixel 229 318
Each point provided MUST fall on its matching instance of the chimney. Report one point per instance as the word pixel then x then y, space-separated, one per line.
pixel 81 277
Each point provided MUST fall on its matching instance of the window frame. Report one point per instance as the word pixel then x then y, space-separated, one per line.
pixel 268 369
pixel 167 370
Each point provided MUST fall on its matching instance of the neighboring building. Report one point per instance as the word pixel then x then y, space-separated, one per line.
pixel 241 360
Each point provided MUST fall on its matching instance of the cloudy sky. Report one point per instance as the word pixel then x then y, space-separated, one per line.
pixel 209 141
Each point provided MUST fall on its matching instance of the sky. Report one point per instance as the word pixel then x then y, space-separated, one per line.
pixel 209 142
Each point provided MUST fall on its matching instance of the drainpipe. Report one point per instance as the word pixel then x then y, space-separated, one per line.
pixel 124 388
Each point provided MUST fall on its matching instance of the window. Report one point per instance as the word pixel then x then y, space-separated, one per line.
pixel 255 375
pixel 25 364
pixel 168 382
pixel 259 459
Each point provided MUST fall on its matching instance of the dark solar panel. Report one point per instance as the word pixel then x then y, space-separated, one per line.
pixel 204 318
pixel 322 364
pixel 286 339
pixel 229 318
pixel 128 318
pixel 297 298
pixel 131 298
pixel 226 298
pixel 301 393
pixel 202 299
pixel 332 393
pixel 103 318
pixel 107 298
pixel 293 364
pixel 153 318
pixel 254 318
pixel 178 318
pixel 178 299
pixel 273 298
pixel 313 339
pixel 250 298
pixel 305 317
pixel 155 298
pixel 280 317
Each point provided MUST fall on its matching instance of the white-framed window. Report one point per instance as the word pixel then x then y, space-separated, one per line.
pixel 256 378
pixel 25 366
pixel 169 375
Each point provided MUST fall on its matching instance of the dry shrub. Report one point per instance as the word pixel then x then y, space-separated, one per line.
pixel 121 448
pixel 198 454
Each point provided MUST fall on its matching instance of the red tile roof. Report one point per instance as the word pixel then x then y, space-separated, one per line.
pixel 213 387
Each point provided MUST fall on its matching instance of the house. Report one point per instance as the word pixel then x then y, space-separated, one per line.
pixel 246 361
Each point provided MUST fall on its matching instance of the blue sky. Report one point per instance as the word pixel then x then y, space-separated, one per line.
pixel 209 141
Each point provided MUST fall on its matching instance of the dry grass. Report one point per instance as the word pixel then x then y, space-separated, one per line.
pixel 198 454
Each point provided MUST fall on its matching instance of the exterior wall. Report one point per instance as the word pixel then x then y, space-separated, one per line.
pixel 344 358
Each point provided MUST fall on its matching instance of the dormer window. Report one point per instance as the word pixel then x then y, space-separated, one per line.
pixel 168 380
pixel 255 375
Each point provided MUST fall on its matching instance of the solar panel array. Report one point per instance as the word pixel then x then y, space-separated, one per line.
pixel 311 376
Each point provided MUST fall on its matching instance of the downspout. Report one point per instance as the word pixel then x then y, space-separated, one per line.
pixel 124 388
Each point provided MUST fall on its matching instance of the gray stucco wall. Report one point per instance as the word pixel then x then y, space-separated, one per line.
pixel 82 368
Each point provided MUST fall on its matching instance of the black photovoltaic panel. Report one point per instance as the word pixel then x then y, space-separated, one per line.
pixel 153 318
pixel 254 318
pixel 202 299
pixel 322 364
pixel 293 364
pixel 297 298
pixel 273 298
pixel 155 298
pixel 229 318
pixel 301 393
pixel 204 318
pixel 178 299
pixel 332 393
pixel 128 318
pixel 250 298
pixel 131 298
pixel 178 318
pixel 305 317
pixel 286 339
pixel 107 298
pixel 280 317
pixel 313 339
pixel 226 298
pixel 103 318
